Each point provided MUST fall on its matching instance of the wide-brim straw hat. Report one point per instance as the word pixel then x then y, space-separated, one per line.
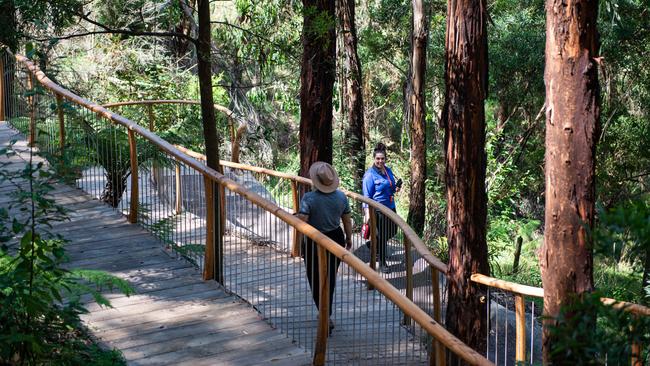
pixel 323 177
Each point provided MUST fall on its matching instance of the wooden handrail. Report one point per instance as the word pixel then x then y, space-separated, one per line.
pixel 539 293
pixel 413 238
pixel 230 114
pixel 382 285
pixel 236 134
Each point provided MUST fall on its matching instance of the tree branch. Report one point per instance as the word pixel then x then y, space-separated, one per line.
pixel 278 45
pixel 109 30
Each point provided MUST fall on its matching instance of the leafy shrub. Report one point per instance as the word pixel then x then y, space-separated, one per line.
pixel 588 332
pixel 39 299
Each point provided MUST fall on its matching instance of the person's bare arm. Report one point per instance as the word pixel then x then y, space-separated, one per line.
pixel 347 227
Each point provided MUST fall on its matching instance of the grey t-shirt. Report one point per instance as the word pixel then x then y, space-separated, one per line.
pixel 324 209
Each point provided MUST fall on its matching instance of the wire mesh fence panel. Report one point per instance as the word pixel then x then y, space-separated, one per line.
pixel 261 258
pixel 502 335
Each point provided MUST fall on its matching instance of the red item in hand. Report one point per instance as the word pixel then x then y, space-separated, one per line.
pixel 365 231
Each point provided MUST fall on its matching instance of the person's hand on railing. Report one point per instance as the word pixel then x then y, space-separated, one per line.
pixel 348 243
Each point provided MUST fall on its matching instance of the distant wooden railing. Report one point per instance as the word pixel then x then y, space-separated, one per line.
pixel 325 244
pixel 411 239
pixel 521 291
pixel 236 133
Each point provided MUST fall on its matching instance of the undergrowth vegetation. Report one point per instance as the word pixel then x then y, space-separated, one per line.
pixel 40 299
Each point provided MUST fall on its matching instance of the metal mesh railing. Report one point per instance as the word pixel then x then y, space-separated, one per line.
pixel 240 231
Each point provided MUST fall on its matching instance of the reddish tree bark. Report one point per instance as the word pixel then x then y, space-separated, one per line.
pixel 466 81
pixel 418 112
pixel 317 75
pixel 572 112
pixel 210 133
pixel 355 140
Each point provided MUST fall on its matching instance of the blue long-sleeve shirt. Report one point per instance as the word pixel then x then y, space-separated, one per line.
pixel 379 187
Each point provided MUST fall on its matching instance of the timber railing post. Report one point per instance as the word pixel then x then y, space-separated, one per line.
pixel 3 89
pixel 295 247
pixel 208 264
pixel 635 359
pixel 61 116
pixel 323 308
pixel 133 153
pixel 32 109
pixel 520 314
pixel 373 241
pixel 439 356
pixel 222 217
pixel 179 195
pixel 409 275
pixel 151 117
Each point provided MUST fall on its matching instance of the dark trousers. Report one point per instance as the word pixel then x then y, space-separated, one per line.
pixel 310 256
pixel 386 229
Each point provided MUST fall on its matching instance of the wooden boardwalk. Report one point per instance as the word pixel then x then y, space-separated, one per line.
pixel 174 317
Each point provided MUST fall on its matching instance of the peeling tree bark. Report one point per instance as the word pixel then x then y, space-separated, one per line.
pixel 317 75
pixel 466 80
pixel 355 141
pixel 418 124
pixel 572 113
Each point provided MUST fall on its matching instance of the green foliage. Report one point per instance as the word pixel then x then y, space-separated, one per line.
pixel 25 19
pixel 39 307
pixel 587 332
pixel 623 236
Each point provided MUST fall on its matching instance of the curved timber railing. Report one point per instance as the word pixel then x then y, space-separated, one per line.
pixel 514 327
pixel 128 166
pixel 172 194
pixel 504 294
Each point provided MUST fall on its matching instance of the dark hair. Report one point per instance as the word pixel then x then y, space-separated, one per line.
pixel 379 148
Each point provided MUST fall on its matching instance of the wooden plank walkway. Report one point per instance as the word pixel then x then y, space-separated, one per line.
pixel 175 317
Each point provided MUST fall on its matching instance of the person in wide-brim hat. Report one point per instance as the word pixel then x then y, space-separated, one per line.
pixel 325 208
pixel 323 177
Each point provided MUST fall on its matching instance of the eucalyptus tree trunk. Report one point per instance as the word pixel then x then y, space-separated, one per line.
pixel 317 74
pixel 355 142
pixel 572 113
pixel 418 124
pixel 212 270
pixel 204 49
pixel 466 80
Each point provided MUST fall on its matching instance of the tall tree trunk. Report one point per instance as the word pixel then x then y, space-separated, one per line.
pixel 212 270
pixel 466 78
pixel 204 48
pixel 181 48
pixel 355 141
pixel 418 125
pixel 572 112
pixel 317 75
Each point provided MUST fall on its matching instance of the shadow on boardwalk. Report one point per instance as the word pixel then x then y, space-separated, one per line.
pixel 175 317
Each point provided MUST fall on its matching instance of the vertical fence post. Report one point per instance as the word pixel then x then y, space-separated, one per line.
pixel 373 241
pixel 3 88
pixel 208 266
pixel 133 154
pixel 520 313
pixel 179 196
pixel 61 115
pixel 323 308
pixel 151 117
pixel 635 359
pixel 222 217
pixel 32 110
pixel 295 247
pixel 409 274
pixel 439 356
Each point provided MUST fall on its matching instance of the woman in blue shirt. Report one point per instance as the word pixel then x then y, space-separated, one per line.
pixel 380 185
